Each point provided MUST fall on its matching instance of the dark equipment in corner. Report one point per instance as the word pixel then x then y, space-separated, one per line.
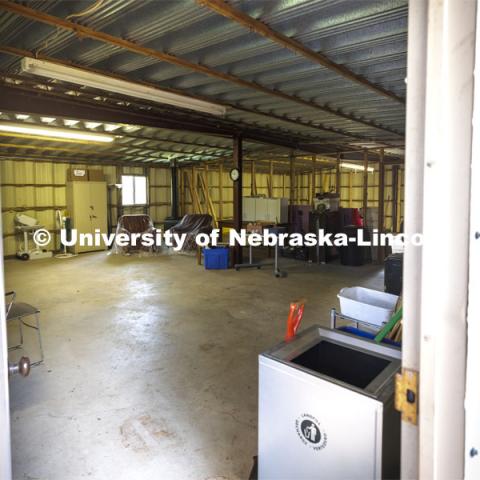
pixel 173 219
pixel 354 254
pixel 394 273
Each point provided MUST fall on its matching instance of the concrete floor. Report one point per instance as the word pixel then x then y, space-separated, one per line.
pixel 151 363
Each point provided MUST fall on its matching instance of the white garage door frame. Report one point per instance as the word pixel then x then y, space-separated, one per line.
pixel 446 229
pixel 440 88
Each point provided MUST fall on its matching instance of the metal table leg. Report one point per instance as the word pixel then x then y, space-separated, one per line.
pixel 250 264
pixel 276 270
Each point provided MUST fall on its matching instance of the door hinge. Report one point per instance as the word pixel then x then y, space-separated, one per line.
pixel 406 395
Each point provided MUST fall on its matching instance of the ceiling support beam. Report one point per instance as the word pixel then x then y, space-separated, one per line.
pixel 321 127
pixel 292 178
pixel 252 24
pixel 13 99
pixel 381 204
pixel 14 157
pixel 395 212
pixel 365 188
pixel 338 176
pixel 237 194
pixel 87 32
pixel 174 190
pixel 124 150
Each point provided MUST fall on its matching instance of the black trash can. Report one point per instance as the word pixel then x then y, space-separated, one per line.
pixel 353 254
pixel 394 273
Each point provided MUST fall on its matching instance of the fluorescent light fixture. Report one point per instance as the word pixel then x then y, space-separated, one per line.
pixel 47 119
pixel 103 82
pixel 55 133
pixel 353 166
pixel 21 116
pixel 109 127
pixel 92 124
pixel 131 128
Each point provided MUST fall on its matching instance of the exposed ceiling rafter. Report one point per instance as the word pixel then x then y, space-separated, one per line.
pixel 75 160
pixel 40 103
pixel 129 136
pixel 116 150
pixel 18 99
pixel 226 10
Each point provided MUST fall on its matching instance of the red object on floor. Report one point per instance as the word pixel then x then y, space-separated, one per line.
pixel 357 219
pixel 295 316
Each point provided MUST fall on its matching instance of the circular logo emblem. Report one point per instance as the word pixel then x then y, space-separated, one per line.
pixel 310 432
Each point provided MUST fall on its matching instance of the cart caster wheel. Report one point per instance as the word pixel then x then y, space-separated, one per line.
pixel 24 256
pixel 237 269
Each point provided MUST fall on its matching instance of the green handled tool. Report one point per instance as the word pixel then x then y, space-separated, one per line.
pixel 396 317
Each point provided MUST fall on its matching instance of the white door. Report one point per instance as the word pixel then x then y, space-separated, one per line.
pixel 472 399
pixel 5 454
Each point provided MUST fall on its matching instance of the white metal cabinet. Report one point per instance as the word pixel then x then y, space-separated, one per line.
pixel 274 210
pixel 87 206
pixel 248 209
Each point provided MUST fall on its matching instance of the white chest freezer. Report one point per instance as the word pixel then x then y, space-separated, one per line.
pixel 326 409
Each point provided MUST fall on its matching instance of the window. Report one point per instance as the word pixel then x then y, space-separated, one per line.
pixel 134 190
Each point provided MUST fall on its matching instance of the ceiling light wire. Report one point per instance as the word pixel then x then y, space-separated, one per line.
pixel 87 11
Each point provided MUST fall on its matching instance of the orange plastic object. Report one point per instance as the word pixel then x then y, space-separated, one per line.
pixel 295 316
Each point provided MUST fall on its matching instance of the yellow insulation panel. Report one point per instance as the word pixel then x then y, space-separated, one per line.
pixel 351 188
pixel 38 189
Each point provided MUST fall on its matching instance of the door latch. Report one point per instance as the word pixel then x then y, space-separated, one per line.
pixel 21 368
pixel 406 395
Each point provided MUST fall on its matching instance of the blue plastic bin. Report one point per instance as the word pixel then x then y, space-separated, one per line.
pixel 364 334
pixel 216 258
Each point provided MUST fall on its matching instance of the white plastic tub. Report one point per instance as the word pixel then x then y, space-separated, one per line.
pixel 367 305
pixel 398 246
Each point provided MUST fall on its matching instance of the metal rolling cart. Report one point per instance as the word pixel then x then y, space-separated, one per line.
pixel 371 329
pixel 251 264
pixel 334 315
pixel 276 269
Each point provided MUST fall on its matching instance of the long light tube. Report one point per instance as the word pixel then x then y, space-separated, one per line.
pixel 353 166
pixel 55 133
pixel 123 87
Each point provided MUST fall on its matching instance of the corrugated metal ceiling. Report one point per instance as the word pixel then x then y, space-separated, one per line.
pixel 367 37
pixel 132 143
